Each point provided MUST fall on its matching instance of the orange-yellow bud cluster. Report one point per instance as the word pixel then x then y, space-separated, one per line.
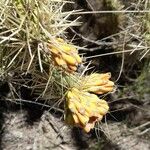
pixel 65 55
pixel 97 83
pixel 84 109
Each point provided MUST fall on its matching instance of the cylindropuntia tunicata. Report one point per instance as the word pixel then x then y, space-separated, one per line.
pixel 33 43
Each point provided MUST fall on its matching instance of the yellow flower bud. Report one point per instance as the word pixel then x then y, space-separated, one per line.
pixel 85 108
pixel 66 53
pixel 97 83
